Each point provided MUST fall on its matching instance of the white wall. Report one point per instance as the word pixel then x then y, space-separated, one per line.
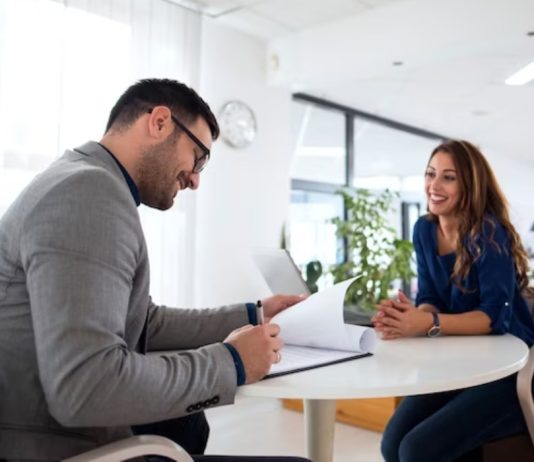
pixel 244 194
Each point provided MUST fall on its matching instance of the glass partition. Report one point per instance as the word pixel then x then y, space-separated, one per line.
pixel 340 147
pixel 319 136
pixel 389 158
pixel 311 234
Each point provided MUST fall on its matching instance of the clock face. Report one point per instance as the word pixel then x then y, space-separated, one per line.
pixel 238 124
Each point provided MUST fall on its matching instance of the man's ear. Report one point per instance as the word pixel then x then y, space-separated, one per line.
pixel 159 122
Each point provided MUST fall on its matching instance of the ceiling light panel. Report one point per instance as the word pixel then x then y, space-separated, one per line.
pixel 522 76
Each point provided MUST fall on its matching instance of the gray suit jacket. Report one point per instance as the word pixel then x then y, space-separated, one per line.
pixel 76 319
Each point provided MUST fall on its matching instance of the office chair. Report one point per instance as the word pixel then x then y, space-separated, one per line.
pixel 519 448
pixel 524 392
pixel 135 446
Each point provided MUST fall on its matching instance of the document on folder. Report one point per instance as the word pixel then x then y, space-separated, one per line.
pixel 315 334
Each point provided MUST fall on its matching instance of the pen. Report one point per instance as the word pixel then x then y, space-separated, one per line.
pixel 259 312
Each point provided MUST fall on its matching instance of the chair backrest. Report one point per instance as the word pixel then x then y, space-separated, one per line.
pixel 135 446
pixel 529 298
pixel 524 392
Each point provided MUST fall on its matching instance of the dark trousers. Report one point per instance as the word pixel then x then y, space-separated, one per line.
pixel 444 427
pixel 191 432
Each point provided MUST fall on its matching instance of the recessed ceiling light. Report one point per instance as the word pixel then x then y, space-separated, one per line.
pixel 522 76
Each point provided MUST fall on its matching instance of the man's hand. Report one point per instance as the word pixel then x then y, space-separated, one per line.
pixel 258 348
pixel 399 318
pixel 273 305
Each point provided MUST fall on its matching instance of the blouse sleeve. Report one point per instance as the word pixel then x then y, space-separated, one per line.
pixel 426 288
pixel 497 282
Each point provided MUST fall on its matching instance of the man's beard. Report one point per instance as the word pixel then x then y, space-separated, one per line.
pixel 156 182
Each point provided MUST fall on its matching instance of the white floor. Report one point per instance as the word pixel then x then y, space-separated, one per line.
pixel 255 426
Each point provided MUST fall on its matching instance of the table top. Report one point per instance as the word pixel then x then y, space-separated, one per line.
pixel 408 366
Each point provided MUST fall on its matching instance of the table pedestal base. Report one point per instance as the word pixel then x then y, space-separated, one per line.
pixel 320 424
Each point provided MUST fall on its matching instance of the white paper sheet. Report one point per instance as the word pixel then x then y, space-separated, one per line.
pixel 301 358
pixel 317 323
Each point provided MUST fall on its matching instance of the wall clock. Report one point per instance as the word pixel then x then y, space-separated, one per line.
pixel 238 124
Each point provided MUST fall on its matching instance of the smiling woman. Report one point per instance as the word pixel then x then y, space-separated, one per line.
pixel 443 194
pixel 441 185
pixel 472 274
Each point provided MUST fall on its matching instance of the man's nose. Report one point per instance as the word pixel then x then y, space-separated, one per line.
pixel 194 181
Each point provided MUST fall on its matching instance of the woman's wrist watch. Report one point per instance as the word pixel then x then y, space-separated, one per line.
pixel 435 330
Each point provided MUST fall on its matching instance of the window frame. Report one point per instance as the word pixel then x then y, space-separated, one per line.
pixel 351 119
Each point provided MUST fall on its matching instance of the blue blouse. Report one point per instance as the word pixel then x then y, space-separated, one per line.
pixel 491 283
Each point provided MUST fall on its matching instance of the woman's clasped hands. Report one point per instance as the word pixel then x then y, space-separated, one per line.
pixel 400 318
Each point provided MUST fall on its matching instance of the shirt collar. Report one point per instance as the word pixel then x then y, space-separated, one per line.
pixel 129 181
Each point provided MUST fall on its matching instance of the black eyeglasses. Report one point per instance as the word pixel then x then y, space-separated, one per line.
pixel 200 162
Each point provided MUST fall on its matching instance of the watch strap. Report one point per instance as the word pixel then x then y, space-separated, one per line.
pixel 435 330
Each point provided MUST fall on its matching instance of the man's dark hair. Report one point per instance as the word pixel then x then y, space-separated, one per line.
pixel 182 100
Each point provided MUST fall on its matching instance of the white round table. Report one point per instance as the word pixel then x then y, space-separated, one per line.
pixel 398 368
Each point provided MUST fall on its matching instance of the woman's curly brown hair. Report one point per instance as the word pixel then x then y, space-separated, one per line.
pixel 481 199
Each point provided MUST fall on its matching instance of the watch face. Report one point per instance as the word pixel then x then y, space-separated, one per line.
pixel 434 331
pixel 238 124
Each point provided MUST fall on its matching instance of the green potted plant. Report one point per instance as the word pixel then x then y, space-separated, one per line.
pixel 314 270
pixel 374 251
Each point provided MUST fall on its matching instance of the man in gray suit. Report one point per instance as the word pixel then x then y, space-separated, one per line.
pixel 76 318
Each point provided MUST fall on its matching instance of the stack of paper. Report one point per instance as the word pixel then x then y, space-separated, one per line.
pixel 315 333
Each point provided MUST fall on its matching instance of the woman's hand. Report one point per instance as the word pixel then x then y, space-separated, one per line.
pixel 399 318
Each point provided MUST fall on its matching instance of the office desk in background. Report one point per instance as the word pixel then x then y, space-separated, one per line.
pixel 401 367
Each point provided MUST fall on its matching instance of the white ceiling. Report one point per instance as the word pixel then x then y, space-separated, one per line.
pixel 456 55
pixel 268 19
